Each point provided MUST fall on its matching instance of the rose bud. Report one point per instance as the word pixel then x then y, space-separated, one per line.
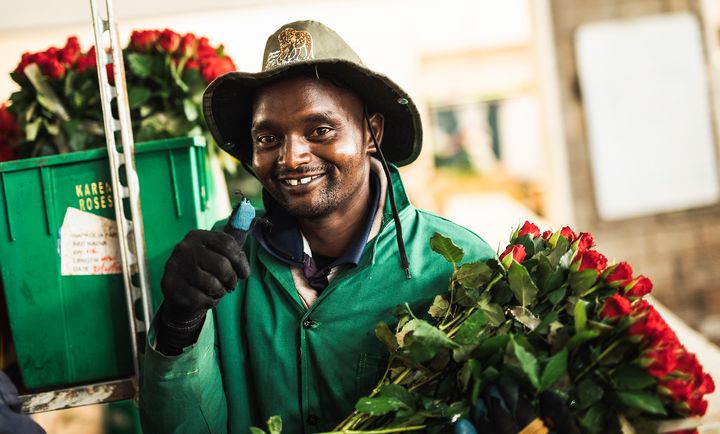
pixel 639 287
pixel 513 253
pixel 584 242
pixel 619 275
pixel 528 228
pixel 615 307
pixel 590 260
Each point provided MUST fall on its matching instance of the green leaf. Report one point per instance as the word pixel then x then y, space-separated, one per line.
pixel 548 318
pixel 399 392
pixel 444 246
pixel 557 252
pixel 190 109
pixel 525 317
pixel 557 295
pixel 593 419
pixel 379 405
pixel 472 328
pixel 474 274
pixel 45 94
pixel 138 95
pixel 491 346
pixel 582 281
pixel 494 312
pixel 522 285
pixel 32 129
pixel 632 377
pixel 275 424
pixel 588 393
pixel 554 370
pixel 439 307
pixel 581 338
pixel 648 402
pixel 139 64
pixel 528 362
pixel 580 315
pixel 425 341
pixel 256 430
pixel 382 331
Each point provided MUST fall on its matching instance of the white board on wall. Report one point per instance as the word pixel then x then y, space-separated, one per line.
pixel 646 100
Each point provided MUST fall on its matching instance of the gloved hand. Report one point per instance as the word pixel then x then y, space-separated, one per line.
pixel 502 410
pixel 204 267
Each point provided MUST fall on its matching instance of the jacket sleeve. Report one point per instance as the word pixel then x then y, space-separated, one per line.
pixel 184 393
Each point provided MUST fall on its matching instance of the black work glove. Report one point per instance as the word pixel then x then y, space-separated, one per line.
pixel 203 267
pixel 502 410
pixel 12 421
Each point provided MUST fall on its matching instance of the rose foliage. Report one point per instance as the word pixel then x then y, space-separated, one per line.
pixel 57 108
pixel 553 315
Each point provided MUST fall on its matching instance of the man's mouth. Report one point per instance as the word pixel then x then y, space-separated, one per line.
pixel 301 181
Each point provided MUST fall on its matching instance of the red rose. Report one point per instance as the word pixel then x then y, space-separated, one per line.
pixel 591 260
pixel 529 228
pixel 192 64
pixel 213 68
pixel 653 329
pixel 546 235
pixel 187 45
pixel 204 49
pixel 49 65
pixel 144 40
pixel 619 274
pixel 663 361
pixel 698 406
pixel 568 233
pixel 515 251
pixel 110 68
pixel 707 385
pixel 584 242
pixel 639 287
pixel 169 41
pixel 615 307
pixel 679 390
pixel 69 54
pixel 87 61
pixel 27 58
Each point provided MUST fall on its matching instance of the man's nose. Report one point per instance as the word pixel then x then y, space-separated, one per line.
pixel 294 153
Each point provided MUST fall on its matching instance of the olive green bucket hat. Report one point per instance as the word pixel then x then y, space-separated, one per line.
pixel 310 48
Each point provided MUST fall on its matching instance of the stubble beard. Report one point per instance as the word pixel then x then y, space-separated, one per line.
pixel 328 199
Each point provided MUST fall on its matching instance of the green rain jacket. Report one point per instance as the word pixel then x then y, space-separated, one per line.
pixel 261 353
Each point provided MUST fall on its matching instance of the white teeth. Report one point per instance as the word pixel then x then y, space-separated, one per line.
pixel 301 181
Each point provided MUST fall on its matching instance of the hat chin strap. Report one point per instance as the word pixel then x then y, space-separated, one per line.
pixel 398 226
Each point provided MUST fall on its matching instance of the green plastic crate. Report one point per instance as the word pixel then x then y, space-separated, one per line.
pixel 72 329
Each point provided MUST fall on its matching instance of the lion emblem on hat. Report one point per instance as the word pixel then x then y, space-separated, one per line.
pixel 295 46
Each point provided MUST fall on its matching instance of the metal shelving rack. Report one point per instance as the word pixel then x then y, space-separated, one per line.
pixel 126 191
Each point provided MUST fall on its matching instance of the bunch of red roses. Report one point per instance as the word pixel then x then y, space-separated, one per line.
pixel 9 134
pixel 58 106
pixel 677 374
pixel 196 53
pixel 556 318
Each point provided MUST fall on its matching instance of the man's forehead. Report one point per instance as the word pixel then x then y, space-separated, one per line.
pixel 304 91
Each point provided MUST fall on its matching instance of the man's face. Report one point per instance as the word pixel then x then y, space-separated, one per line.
pixel 310 147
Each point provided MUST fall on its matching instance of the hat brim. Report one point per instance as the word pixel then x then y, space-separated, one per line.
pixel 227 106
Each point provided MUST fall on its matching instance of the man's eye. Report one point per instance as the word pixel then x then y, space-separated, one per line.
pixel 321 131
pixel 266 140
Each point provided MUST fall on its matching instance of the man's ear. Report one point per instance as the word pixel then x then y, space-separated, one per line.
pixel 377 122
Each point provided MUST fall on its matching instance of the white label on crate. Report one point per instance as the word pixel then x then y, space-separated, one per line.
pixel 88 245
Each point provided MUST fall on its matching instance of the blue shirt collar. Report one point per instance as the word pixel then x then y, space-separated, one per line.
pixel 284 241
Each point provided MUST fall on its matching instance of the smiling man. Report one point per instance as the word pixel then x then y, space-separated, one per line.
pixel 283 325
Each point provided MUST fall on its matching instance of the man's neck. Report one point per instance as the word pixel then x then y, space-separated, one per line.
pixel 333 234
